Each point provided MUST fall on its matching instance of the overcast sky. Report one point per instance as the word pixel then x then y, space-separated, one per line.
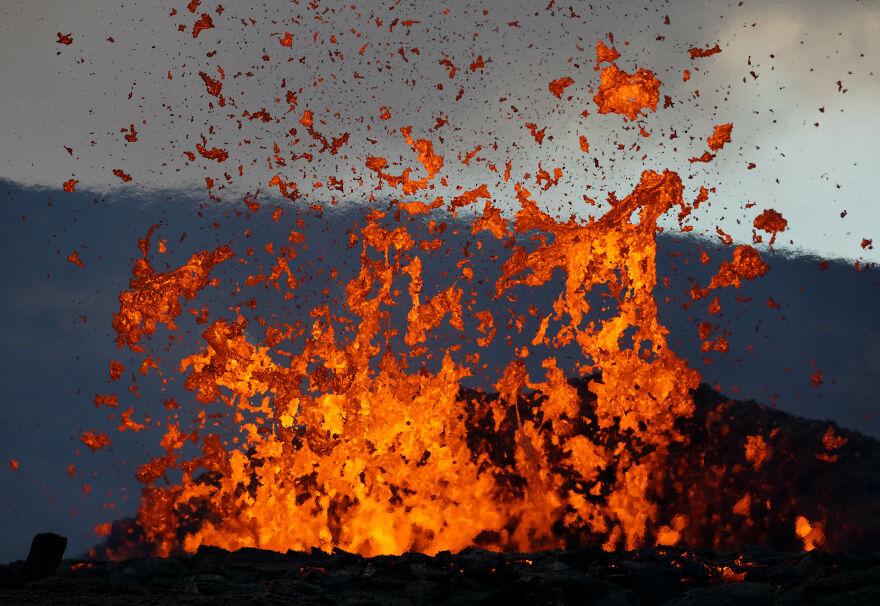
pixel 775 79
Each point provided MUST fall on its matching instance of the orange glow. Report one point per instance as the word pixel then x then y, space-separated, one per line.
pixel 728 575
pixel 605 54
pixel 746 265
pixel 772 222
pixel 122 175
pixel 557 87
pixel 743 506
pixel 811 533
pixel 95 441
pixel 704 52
pixel 383 460
pixel 757 451
pixel 832 441
pixel 720 136
pixel 627 94
pixel 74 258
pixel 204 22
pixel 102 530
pixel 347 431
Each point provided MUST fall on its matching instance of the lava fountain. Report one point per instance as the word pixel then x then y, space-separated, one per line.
pixel 352 431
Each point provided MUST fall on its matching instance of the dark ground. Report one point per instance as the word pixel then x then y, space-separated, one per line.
pixel 652 577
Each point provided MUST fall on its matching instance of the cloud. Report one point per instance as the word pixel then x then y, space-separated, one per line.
pixel 350 67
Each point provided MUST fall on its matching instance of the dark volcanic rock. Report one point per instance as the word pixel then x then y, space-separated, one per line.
pixel 45 555
pixel 739 594
pixel 648 577
pixel 812 468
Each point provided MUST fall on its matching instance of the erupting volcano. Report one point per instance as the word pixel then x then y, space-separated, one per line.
pixel 376 454
pixel 348 421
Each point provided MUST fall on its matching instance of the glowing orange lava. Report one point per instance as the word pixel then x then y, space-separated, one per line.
pixel 345 442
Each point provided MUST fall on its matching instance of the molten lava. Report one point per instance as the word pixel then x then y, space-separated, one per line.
pixel 346 439
pixel 375 458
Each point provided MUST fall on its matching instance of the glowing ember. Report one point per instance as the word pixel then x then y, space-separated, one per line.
pixel 557 87
pixel 605 54
pixel 720 136
pixel 204 22
pixel 731 576
pixel 757 451
pixel 74 258
pixel 627 94
pixel 746 265
pixel 810 533
pixel 704 52
pixel 772 222
pixel 122 175
pixel 95 441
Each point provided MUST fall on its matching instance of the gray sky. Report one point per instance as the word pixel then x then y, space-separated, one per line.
pixel 83 94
